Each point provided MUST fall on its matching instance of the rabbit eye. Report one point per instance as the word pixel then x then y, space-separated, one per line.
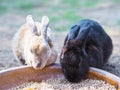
pixel 31 50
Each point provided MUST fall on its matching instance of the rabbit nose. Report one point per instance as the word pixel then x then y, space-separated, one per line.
pixel 38 65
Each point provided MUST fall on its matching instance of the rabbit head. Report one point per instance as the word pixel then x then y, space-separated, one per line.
pixel 72 61
pixel 38 47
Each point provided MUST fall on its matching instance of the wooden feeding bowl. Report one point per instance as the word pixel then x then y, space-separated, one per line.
pixel 13 77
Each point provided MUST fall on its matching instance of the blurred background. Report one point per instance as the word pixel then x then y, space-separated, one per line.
pixel 62 14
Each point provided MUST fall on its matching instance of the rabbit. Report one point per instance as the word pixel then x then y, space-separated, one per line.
pixel 86 45
pixel 33 44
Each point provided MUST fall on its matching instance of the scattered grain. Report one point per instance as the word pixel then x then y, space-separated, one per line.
pixel 63 84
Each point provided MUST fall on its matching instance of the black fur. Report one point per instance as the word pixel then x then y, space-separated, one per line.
pixel 86 45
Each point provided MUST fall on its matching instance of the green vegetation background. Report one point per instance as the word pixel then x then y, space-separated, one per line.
pixel 62 13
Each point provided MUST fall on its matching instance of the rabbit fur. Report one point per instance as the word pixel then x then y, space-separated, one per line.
pixel 86 45
pixel 33 44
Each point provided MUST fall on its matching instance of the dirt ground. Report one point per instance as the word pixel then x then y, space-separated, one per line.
pixel 7 30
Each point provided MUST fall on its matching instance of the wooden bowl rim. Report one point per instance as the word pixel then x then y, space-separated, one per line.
pixel 57 67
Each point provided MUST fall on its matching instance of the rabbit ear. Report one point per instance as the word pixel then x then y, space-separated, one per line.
pixel 73 32
pixel 83 33
pixel 44 23
pixel 82 36
pixel 30 21
pixel 70 40
pixel 31 24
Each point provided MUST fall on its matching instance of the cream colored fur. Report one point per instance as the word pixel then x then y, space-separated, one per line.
pixel 34 45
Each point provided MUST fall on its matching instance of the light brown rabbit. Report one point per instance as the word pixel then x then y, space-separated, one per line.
pixel 33 44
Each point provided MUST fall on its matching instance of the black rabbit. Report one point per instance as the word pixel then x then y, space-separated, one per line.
pixel 86 45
